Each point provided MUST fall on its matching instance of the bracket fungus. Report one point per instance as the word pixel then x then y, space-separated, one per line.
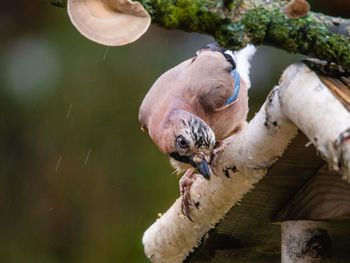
pixel 109 22
pixel 297 8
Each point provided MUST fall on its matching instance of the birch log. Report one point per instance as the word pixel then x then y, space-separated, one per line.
pixel 298 100
pixel 309 104
pixel 305 242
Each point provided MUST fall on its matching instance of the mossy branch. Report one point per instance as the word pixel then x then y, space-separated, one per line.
pixel 234 23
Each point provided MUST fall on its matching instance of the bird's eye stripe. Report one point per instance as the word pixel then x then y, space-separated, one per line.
pixel 181 158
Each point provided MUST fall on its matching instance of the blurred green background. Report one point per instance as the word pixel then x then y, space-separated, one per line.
pixel 79 181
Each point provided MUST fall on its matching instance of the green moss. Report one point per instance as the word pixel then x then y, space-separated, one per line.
pixel 305 35
pixel 231 35
pixel 256 22
pixel 186 15
pixel 259 25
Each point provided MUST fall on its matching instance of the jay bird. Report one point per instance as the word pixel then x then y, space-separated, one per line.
pixel 194 110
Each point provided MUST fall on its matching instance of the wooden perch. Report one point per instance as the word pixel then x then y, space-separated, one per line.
pixel 323 196
pixel 251 231
pixel 301 101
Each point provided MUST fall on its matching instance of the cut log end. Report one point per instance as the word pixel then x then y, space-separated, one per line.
pixel 305 242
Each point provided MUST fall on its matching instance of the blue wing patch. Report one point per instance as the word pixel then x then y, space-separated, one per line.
pixel 234 96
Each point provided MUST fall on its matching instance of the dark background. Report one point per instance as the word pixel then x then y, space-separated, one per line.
pixel 79 181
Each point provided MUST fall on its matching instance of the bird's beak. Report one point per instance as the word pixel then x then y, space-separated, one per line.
pixel 203 169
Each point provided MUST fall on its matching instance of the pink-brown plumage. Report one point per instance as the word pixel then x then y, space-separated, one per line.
pixel 199 86
pixel 185 114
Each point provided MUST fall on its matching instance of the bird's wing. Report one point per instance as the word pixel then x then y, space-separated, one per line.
pixel 213 97
pixel 242 59
pixel 220 74
pixel 211 80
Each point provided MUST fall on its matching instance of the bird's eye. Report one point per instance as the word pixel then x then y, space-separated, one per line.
pixel 181 141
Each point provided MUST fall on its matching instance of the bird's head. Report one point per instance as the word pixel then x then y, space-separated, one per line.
pixel 191 143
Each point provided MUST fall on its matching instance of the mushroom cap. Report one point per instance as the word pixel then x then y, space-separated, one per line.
pixel 109 22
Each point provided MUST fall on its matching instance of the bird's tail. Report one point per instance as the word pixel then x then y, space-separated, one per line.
pixel 242 58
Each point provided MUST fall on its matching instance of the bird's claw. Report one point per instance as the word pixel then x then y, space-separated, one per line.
pixel 185 183
pixel 185 205
pixel 215 154
pixel 219 148
pixel 214 157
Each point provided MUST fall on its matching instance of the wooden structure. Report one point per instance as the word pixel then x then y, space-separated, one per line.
pixel 298 187
pixel 291 194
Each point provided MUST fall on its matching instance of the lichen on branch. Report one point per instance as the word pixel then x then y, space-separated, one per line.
pixel 235 23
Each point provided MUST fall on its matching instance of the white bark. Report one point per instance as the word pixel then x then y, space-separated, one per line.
pixel 172 237
pixel 309 104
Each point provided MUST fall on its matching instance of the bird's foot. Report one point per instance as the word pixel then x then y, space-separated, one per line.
pixel 220 146
pixel 185 183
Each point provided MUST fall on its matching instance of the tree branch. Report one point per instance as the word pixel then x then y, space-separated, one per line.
pixel 236 23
